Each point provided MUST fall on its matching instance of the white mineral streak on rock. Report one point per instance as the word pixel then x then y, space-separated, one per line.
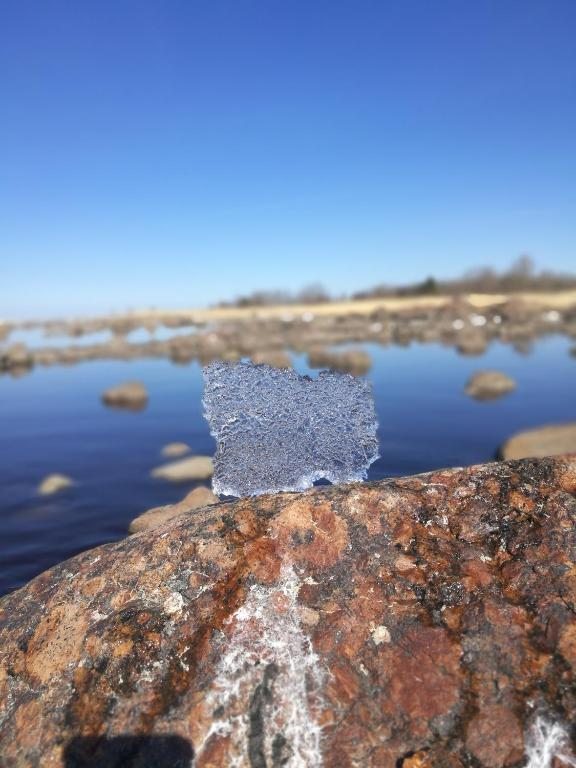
pixel 546 741
pixel 381 635
pixel 174 603
pixel 269 661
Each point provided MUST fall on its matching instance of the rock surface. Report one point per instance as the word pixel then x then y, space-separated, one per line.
pixel 412 622
pixel 129 394
pixel 192 468
pixel 53 484
pixel 153 518
pixel 549 440
pixel 489 385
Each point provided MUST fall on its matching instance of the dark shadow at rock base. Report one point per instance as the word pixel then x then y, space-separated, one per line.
pixel 129 752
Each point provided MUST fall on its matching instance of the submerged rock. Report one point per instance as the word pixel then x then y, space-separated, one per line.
pixel 489 385
pixel 423 621
pixel 192 468
pixel 130 394
pixel 153 518
pixel 53 484
pixel 173 450
pixel 548 440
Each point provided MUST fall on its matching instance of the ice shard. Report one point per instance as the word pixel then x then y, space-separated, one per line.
pixel 278 431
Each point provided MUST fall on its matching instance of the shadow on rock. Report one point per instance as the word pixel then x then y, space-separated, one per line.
pixel 129 752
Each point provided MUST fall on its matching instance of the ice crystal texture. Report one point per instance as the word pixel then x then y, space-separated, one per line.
pixel 278 431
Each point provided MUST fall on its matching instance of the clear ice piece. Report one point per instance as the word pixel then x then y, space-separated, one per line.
pixel 278 431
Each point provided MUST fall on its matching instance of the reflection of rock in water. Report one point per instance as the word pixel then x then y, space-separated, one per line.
pixel 424 621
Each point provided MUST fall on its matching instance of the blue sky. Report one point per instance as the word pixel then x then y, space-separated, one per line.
pixel 174 152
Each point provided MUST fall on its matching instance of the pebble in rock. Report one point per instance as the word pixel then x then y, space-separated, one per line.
pixel 130 394
pixel 174 450
pixel 153 518
pixel 53 484
pixel 192 468
pixel 489 385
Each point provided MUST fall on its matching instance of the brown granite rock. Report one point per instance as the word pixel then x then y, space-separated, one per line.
pixel 153 518
pixel 416 622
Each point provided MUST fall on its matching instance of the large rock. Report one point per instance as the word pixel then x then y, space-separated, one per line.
pixel 130 394
pixel 489 385
pixel 154 518
pixel 423 622
pixel 549 440
pixel 192 468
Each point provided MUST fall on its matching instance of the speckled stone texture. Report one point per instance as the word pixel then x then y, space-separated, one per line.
pixel 413 622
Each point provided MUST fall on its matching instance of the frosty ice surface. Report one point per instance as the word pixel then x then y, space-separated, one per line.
pixel 278 431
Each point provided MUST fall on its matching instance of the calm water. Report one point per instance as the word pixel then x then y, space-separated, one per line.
pixel 52 421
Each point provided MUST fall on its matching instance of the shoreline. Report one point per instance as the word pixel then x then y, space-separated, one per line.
pixel 199 315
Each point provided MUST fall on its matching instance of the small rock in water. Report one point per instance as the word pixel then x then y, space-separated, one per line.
pixel 153 518
pixel 543 441
pixel 489 385
pixel 53 484
pixel 278 431
pixel 276 358
pixel 193 468
pixel 173 450
pixel 130 394
pixel 354 361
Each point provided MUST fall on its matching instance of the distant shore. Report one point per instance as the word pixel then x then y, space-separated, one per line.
pixel 468 322
pixel 196 315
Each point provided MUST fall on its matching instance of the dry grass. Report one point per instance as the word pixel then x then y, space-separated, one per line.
pixel 560 300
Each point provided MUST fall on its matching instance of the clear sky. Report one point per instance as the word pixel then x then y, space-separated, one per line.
pixel 177 152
